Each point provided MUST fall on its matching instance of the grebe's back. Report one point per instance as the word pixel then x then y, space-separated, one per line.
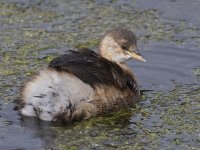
pixel 91 68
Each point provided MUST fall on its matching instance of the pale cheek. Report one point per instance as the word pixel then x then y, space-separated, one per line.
pixel 121 57
pixel 113 48
pixel 128 56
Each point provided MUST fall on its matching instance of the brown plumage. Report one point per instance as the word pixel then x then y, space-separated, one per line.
pixel 93 69
pixel 82 84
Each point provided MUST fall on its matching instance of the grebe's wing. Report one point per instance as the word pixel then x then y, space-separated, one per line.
pixel 90 67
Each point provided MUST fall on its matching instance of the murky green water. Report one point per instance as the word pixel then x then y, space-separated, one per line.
pixel 34 32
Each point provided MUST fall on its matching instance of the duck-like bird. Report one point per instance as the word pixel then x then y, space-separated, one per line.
pixel 83 84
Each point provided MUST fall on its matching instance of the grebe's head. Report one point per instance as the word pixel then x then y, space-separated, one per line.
pixel 120 45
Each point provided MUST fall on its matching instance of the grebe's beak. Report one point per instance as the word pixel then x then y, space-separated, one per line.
pixel 137 55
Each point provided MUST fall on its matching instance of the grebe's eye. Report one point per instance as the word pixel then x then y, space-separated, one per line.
pixel 125 47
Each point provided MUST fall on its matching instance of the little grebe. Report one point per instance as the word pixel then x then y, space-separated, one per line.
pixel 82 84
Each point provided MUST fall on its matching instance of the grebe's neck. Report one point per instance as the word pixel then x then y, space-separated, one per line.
pixel 124 66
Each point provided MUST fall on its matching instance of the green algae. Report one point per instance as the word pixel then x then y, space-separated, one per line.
pixel 90 43
pixel 7 72
pixel 16 14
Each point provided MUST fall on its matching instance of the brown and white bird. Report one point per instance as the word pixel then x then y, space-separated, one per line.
pixel 82 84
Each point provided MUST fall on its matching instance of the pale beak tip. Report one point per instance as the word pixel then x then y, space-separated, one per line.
pixel 144 60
